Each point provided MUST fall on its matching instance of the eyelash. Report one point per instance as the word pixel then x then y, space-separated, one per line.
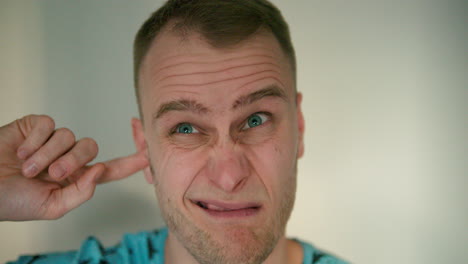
pixel 257 113
pixel 269 115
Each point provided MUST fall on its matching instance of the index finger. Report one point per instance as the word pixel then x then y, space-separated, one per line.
pixel 123 167
pixel 36 129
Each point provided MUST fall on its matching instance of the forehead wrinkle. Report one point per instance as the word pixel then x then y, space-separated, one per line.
pixel 180 105
pixel 269 91
pixel 181 61
pixel 181 58
pixel 221 70
pixel 261 79
pixel 219 81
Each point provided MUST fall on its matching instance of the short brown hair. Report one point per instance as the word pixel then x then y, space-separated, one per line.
pixel 223 23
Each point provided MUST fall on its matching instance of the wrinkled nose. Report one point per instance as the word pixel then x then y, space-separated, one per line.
pixel 228 168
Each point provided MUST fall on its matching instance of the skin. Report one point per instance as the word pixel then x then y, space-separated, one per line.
pixel 44 171
pixel 225 159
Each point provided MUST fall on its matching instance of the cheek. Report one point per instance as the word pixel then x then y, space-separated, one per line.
pixel 274 162
pixel 174 169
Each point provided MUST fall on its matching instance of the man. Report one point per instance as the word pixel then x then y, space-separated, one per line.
pixel 219 135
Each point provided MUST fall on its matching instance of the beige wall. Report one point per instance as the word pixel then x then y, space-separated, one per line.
pixel 384 175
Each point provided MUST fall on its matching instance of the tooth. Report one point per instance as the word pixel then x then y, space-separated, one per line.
pixel 217 208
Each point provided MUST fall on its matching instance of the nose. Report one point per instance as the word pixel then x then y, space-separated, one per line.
pixel 228 168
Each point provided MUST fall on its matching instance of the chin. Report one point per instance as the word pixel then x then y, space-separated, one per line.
pixel 235 245
pixel 228 245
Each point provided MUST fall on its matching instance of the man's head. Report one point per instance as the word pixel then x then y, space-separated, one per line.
pixel 222 24
pixel 222 125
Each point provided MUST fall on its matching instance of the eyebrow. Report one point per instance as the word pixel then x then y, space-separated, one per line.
pixel 195 107
pixel 180 105
pixel 269 91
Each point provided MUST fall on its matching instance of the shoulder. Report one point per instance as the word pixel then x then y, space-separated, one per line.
pixel 313 255
pixel 143 247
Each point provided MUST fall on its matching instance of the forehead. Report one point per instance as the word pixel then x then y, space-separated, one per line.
pixel 188 64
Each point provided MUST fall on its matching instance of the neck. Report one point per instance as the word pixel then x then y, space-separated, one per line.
pixel 285 251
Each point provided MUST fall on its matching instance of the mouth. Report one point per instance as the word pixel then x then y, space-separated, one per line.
pixel 228 210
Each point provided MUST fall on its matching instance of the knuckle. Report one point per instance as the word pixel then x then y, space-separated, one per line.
pixel 66 134
pixel 30 116
pixel 90 145
pixel 55 215
pixel 46 121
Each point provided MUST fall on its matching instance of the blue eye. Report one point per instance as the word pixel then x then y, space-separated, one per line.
pixel 186 128
pixel 255 120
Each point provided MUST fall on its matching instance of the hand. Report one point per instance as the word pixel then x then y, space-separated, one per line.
pixel 43 171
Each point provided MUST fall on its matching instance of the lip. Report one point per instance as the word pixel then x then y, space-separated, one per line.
pixel 220 209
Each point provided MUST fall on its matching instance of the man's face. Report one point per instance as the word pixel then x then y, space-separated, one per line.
pixel 223 131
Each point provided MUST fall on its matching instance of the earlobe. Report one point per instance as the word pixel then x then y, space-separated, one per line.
pixel 301 126
pixel 141 145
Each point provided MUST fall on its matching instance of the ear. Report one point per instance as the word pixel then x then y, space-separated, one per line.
pixel 300 125
pixel 141 146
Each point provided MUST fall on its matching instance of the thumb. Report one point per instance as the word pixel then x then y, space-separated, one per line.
pixel 63 200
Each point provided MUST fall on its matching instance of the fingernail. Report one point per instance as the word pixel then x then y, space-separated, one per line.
pixel 31 170
pixel 58 171
pixel 22 153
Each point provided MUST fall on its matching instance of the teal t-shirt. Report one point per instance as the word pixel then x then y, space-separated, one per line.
pixel 141 248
